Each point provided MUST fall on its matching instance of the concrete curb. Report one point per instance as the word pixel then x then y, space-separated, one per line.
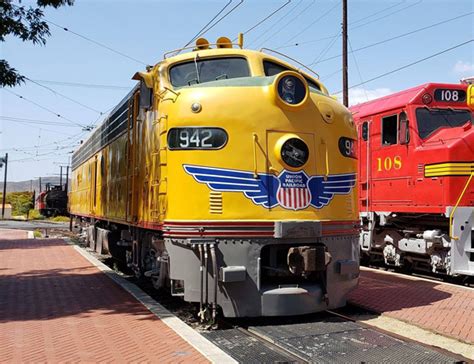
pixel 417 334
pixel 200 343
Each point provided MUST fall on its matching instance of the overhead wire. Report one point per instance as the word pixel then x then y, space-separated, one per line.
pixel 324 78
pixel 205 26
pixel 95 42
pixel 386 15
pixel 286 24
pixel 271 27
pixel 217 22
pixel 266 18
pixel 364 24
pixel 64 96
pixel 357 67
pixel 45 108
pixel 350 28
pixel 325 50
pixel 411 64
pixel 398 36
pixel 37 127
pixel 315 21
pixel 85 85
pixel 36 121
pixel 377 12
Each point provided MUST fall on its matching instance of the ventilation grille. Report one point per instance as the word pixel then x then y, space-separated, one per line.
pixel 420 168
pixel 215 202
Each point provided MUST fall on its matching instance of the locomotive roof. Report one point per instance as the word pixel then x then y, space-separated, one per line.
pixel 396 100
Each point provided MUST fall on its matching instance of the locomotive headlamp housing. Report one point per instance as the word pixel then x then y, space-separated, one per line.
pixel 426 98
pixel 291 89
pixel 292 151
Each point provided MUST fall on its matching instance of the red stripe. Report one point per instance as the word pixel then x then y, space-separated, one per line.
pixel 217 233
pixel 219 223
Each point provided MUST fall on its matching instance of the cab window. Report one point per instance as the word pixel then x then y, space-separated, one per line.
pixel 389 130
pixel 272 68
pixel 207 70
pixel 430 120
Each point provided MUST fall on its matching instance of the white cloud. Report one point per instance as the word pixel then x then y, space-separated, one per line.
pixel 359 95
pixel 464 68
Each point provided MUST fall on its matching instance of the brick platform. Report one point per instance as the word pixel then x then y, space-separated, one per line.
pixel 55 306
pixel 442 308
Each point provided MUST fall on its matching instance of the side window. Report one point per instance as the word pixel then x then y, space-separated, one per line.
pixel 272 68
pixel 365 130
pixel 403 129
pixel 389 130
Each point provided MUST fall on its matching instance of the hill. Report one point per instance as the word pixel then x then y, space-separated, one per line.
pixel 31 185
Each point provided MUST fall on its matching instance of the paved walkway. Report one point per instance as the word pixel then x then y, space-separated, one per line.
pixel 55 306
pixel 442 308
pixel 13 234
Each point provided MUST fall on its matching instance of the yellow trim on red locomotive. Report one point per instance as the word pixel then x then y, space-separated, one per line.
pixel 449 169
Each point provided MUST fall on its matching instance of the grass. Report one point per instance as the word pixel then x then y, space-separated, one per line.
pixel 59 219
pixel 35 215
pixel 37 234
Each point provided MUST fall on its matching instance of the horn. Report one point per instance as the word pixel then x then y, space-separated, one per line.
pixel 224 42
pixel 202 43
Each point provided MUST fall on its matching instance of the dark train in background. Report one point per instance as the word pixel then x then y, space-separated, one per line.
pixel 416 185
pixel 53 201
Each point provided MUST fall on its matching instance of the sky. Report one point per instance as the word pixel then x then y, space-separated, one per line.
pixel 81 81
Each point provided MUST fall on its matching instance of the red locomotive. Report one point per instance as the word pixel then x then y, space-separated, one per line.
pixel 416 184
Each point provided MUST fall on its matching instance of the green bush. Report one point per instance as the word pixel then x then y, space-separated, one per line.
pixel 21 202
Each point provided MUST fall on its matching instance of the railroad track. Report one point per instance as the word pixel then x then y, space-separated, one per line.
pixel 327 337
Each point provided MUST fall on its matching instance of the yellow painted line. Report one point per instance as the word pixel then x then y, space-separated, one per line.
pixel 443 169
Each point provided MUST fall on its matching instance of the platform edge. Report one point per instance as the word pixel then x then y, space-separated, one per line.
pixel 200 343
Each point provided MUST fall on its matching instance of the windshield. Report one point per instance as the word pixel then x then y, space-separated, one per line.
pixel 206 70
pixel 430 120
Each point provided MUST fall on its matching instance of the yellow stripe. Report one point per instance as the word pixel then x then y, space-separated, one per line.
pixel 446 169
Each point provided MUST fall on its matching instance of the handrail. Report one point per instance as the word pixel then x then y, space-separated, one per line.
pixel 456 206
pixel 179 50
pixel 255 141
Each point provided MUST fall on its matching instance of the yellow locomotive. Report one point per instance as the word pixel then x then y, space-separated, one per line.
pixel 228 176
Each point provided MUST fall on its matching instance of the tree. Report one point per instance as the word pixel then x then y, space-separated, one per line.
pixel 27 23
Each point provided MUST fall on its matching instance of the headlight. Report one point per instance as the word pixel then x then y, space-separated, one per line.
pixel 294 152
pixel 291 90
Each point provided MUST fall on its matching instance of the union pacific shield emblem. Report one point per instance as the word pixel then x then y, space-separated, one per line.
pixel 293 192
pixel 290 190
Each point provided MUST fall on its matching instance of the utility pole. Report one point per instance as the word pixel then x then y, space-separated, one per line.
pixel 345 77
pixel 67 179
pixel 40 184
pixel 61 176
pixel 4 186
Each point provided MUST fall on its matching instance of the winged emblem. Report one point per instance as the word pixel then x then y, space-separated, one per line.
pixel 290 190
